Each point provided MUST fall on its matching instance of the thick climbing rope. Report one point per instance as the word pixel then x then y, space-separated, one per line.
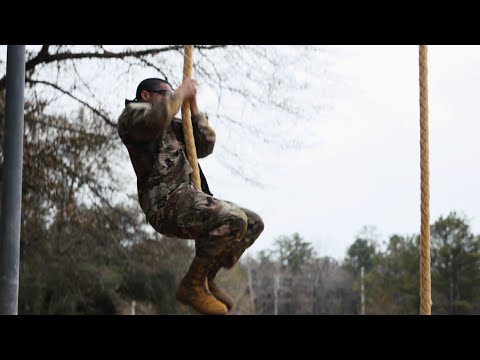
pixel 425 276
pixel 187 120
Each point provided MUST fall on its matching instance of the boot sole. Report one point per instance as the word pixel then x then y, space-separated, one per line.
pixel 201 311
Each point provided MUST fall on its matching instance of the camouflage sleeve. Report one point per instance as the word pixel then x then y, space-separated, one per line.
pixel 202 132
pixel 142 122
pixel 204 135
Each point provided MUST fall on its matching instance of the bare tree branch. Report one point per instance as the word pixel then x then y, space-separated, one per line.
pixel 150 64
pixel 67 128
pixel 56 87
pixel 43 57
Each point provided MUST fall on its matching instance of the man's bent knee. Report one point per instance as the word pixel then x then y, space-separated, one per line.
pixel 233 227
pixel 223 237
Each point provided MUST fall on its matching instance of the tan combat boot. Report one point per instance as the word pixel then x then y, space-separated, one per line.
pixel 192 290
pixel 216 291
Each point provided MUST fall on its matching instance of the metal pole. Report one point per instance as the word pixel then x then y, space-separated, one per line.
pixel 12 180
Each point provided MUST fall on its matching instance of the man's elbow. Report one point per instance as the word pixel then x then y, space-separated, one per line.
pixel 207 147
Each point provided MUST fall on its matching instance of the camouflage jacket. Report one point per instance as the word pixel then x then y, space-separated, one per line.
pixel 155 143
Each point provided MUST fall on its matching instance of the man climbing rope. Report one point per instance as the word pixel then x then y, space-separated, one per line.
pixel 173 206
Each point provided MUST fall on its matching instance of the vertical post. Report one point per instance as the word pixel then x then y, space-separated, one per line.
pixel 362 290
pixel 12 180
pixel 425 275
pixel 276 287
pixel 250 285
pixel 132 308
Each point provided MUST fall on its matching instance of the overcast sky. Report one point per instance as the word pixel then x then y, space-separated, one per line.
pixel 363 169
pixel 359 165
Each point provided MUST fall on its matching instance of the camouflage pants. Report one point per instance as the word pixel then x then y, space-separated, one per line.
pixel 221 229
